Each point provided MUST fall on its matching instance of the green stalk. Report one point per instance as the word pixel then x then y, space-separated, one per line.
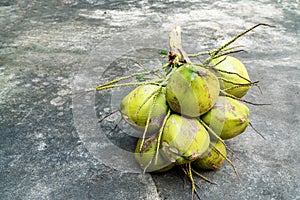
pixel 155 92
pixel 227 159
pixel 232 41
pixel 148 121
pixel 134 75
pixel 123 84
pixel 160 135
pixel 203 177
pixel 242 100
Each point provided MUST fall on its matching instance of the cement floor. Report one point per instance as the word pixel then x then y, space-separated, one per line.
pixel 51 145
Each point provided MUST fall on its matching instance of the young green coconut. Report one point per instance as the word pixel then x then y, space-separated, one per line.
pixel 228 117
pixel 183 139
pixel 213 158
pixel 137 105
pixel 192 90
pixel 146 158
pixel 234 78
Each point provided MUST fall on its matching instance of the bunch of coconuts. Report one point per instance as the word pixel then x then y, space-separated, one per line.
pixel 186 112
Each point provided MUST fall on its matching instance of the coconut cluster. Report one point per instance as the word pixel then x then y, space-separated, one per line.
pixel 188 116
pixel 186 113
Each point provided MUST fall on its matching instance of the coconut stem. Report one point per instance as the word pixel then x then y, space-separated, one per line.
pixel 233 40
pixel 148 119
pixel 155 92
pixel 238 84
pixel 242 100
pixel 187 169
pixel 232 73
pixel 154 72
pixel 211 131
pixel 215 135
pixel 124 84
pixel 238 36
pixel 227 159
pixel 160 135
pixel 229 52
pixel 116 125
pixel 203 177
pixel 109 114
pixel 133 75
pixel 210 52
pixel 256 130
pixel 176 45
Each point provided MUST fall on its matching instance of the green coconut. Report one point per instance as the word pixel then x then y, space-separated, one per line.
pixel 228 68
pixel 228 117
pixel 183 139
pixel 146 158
pixel 135 107
pixel 192 90
pixel 213 158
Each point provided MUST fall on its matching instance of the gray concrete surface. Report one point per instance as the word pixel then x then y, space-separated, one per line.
pixel 51 145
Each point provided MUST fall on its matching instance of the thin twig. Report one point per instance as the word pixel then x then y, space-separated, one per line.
pixel 215 135
pixel 160 135
pixel 109 114
pixel 233 40
pixel 229 52
pixel 232 73
pixel 242 100
pixel 155 92
pixel 238 36
pixel 210 52
pixel 227 159
pixel 256 130
pixel 133 75
pixel 238 84
pixel 203 177
pixel 122 85
pixel 116 125
pixel 148 120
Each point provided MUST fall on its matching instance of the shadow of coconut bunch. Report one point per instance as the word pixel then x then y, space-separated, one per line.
pixel 184 110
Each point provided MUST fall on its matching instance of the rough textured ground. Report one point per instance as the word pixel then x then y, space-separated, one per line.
pixel 51 146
